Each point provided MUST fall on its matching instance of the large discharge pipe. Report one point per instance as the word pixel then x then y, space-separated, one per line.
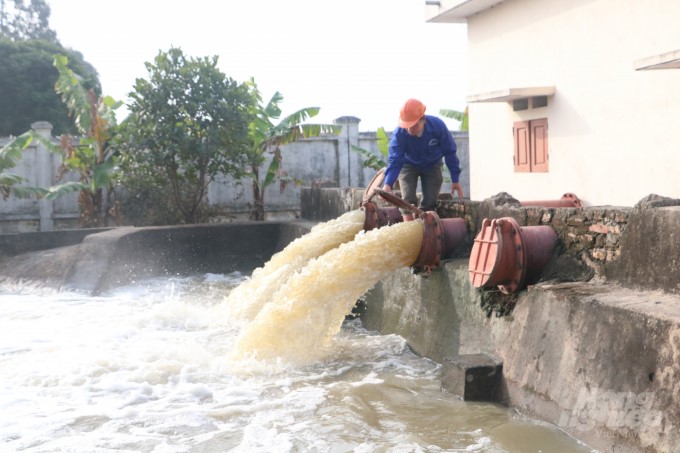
pixel 440 237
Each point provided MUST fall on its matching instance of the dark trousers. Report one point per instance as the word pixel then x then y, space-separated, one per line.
pixel 431 180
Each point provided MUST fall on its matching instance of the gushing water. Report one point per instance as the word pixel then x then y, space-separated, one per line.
pixel 302 317
pixel 248 299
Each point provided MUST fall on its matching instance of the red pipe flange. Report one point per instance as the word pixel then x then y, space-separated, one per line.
pixel 509 256
pixel 430 253
pixel 376 183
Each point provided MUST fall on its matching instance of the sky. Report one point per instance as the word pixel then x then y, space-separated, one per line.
pixel 361 58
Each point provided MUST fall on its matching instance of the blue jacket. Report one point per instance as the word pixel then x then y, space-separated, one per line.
pixel 424 151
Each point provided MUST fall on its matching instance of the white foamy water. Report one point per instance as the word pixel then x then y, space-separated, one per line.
pixel 302 316
pixel 144 369
pixel 247 300
pixel 152 368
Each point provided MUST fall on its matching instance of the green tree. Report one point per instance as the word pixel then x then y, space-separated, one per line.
pixel 267 137
pixel 188 123
pixel 89 156
pixel 20 20
pixel 27 78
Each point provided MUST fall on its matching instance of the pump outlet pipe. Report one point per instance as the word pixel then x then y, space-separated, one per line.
pixel 440 236
pixel 377 216
pixel 508 256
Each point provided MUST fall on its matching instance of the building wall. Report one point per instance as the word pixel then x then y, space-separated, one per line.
pixel 612 135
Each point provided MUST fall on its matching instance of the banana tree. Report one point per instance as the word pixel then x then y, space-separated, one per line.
pixel 10 155
pixel 457 115
pixel 267 137
pixel 371 160
pixel 89 157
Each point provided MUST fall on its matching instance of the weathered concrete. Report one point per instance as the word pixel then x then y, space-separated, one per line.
pixel 323 204
pixel 598 360
pixel 650 249
pixel 115 257
pixel 473 377
pixel 17 243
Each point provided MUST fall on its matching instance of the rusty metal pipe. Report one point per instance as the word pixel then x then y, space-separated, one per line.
pixel 454 231
pixel 568 200
pixel 508 256
pixel 440 237
pixel 377 217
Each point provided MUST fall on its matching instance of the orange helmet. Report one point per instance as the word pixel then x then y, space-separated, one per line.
pixel 411 112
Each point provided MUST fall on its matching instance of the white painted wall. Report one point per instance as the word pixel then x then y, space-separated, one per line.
pixel 614 132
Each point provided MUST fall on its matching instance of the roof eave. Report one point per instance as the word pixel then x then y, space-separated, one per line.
pixel 455 11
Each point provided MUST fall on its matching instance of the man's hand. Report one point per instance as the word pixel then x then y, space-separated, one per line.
pixel 455 186
pixel 387 188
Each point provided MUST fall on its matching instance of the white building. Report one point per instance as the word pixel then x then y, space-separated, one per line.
pixel 578 96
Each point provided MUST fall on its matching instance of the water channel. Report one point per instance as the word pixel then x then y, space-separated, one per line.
pixel 263 362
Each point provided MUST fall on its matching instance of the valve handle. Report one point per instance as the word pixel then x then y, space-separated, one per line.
pixel 395 200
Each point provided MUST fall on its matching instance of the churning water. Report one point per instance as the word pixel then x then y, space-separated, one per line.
pixel 209 363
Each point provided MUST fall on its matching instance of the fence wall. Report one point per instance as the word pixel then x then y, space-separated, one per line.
pixel 327 161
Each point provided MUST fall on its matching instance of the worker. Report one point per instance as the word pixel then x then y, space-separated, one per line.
pixel 416 150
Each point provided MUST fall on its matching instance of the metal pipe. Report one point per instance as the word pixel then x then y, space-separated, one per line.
pixel 440 238
pixel 568 200
pixel 508 256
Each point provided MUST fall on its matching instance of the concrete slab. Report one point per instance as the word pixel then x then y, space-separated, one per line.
pixel 473 377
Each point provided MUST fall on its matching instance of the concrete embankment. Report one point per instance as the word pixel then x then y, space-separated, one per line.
pixel 598 360
pixel 115 257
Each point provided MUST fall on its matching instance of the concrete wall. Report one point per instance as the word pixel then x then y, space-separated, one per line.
pixel 104 259
pixel 611 131
pixel 40 168
pixel 324 161
pixel 327 160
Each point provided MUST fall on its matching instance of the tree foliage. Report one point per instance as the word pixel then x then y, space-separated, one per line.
pixel 372 160
pixel 27 78
pixel 10 155
pixel 88 156
pixel 457 115
pixel 188 123
pixel 267 136
pixel 21 20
